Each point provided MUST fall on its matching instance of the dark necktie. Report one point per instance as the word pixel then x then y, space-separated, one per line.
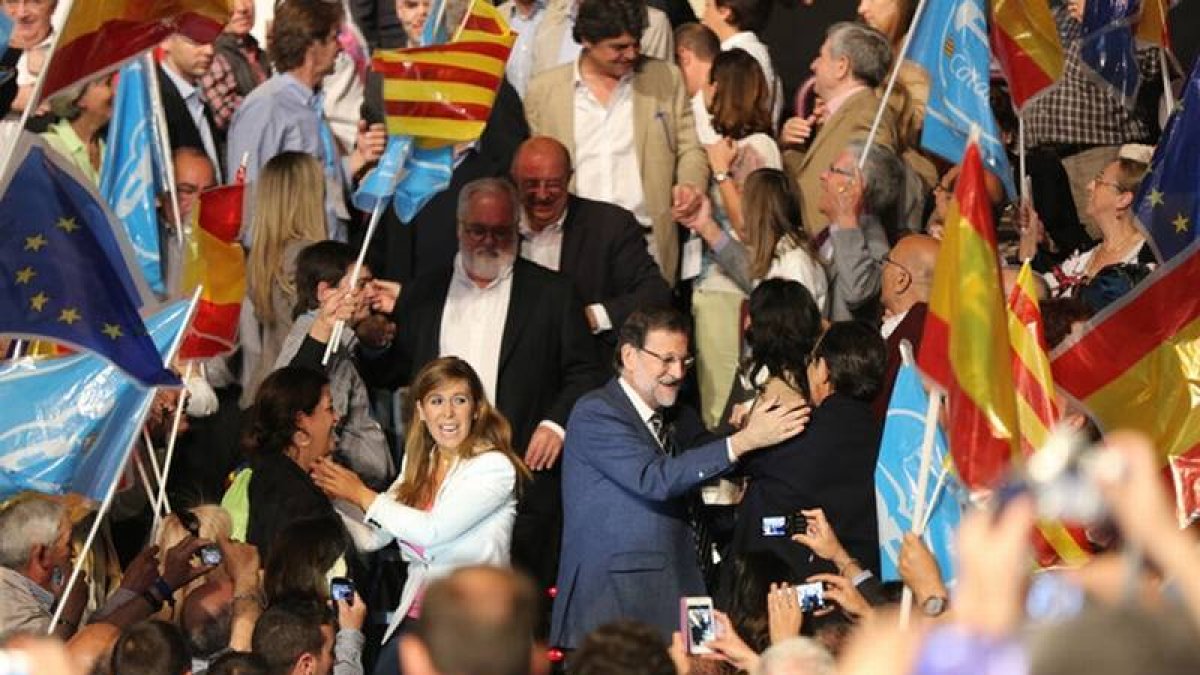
pixel 664 431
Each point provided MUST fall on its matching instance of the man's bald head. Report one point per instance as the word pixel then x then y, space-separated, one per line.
pixel 207 618
pixel 92 645
pixel 908 273
pixel 542 171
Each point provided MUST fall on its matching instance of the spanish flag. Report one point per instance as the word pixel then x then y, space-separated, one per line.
pixel 214 259
pixel 965 347
pixel 446 91
pixel 1137 364
pixel 1055 542
pixel 99 35
pixel 1152 25
pixel 1025 42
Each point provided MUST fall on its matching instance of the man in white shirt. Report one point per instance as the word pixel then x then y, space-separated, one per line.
pixel 189 120
pixel 524 17
pixel 696 45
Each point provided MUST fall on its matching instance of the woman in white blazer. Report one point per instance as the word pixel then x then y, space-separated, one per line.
pixel 455 500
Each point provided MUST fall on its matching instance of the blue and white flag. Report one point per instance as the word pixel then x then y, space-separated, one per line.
pixel 130 176
pixel 896 477
pixel 379 185
pixel 951 44
pixel 427 173
pixel 68 423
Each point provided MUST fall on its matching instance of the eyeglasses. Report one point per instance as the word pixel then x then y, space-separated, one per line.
pixel 669 361
pixel 478 233
pixel 547 184
pixel 840 171
pixel 887 260
pixel 1101 180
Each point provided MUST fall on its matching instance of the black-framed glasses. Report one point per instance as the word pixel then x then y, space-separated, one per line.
pixel 668 361
pixel 848 173
pixel 887 260
pixel 478 233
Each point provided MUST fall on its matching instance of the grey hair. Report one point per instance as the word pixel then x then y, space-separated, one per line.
pixel 868 50
pixel 25 522
pixel 796 656
pixel 491 186
pixel 883 178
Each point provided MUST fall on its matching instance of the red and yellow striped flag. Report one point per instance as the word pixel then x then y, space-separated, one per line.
pixel 1025 42
pixel 1152 24
pixel 1054 541
pixel 965 347
pixel 100 35
pixel 214 258
pixel 446 91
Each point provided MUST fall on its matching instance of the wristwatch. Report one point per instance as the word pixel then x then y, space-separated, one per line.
pixel 935 605
pixel 721 176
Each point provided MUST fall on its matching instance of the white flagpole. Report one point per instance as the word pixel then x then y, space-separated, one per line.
pixel 158 476
pixel 887 93
pixel 162 142
pixel 1165 67
pixel 919 503
pixel 1021 154
pixel 161 504
pixel 336 337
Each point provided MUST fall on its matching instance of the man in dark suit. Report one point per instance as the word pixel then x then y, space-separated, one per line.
pixel 521 327
pixel 907 277
pixel 628 548
pixel 190 122
pixel 599 246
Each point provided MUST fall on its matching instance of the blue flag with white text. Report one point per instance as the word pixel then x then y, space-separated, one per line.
pixel 129 178
pixel 1108 48
pixel 66 268
pixel 951 44
pixel 77 416
pixel 427 173
pixel 380 184
pixel 896 475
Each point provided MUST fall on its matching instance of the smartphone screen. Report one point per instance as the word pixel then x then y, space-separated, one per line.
pixel 698 623
pixel 341 588
pixel 810 596
pixel 774 526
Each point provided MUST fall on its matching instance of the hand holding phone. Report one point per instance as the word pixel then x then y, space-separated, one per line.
pixel 697 623
pixel 341 588
pixel 811 596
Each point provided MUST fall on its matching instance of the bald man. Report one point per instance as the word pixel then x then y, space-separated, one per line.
pixel 599 246
pixel 906 280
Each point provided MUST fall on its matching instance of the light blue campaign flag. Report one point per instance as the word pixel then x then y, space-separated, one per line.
pixel 130 176
pixel 379 185
pixel 428 173
pixel 67 424
pixel 951 44
pixel 896 475
pixel 6 26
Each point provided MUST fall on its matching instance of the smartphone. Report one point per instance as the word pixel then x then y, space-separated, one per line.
pixel 697 623
pixel 783 526
pixel 341 588
pixel 210 555
pixel 810 596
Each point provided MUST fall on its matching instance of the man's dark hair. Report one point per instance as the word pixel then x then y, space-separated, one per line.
pixel 1058 314
pixel 597 20
pixel 151 648
pixel 323 261
pixel 290 629
pixel 856 357
pixel 698 39
pixel 479 621
pixel 238 663
pixel 298 24
pixel 639 324
pixel 623 648
pixel 748 15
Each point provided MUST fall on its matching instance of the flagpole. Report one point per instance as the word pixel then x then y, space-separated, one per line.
pixel 918 516
pixel 161 505
pixel 336 337
pixel 1164 66
pixel 1021 156
pixel 887 93
pixel 158 476
pixel 158 122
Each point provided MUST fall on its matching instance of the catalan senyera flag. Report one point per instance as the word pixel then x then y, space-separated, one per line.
pixel 965 347
pixel 446 91
pixel 1055 542
pixel 214 259
pixel 100 35
pixel 1025 42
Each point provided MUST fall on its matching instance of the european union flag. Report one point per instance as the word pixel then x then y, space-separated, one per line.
pixel 951 44
pixel 64 270
pixel 129 178
pixel 1168 205
pixel 896 475
pixel 77 417
pixel 1108 49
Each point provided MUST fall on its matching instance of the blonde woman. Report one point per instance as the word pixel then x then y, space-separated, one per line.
pixel 289 214
pixel 456 499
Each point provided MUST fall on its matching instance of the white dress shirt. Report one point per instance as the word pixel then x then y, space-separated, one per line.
pixel 473 323
pixel 520 62
pixel 644 412
pixel 191 98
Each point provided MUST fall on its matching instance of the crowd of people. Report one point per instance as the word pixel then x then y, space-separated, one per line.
pixel 638 353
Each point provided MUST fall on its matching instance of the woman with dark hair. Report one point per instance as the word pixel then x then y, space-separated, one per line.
pixel 831 465
pixel 292 425
pixel 456 498
pixel 304 555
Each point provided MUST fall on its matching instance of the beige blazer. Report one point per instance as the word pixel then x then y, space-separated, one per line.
pixel 805 165
pixel 658 41
pixel 664 136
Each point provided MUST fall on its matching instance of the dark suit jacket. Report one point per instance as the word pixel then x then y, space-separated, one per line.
pixel 627 547
pixel 910 328
pixel 830 465
pixel 547 356
pixel 405 251
pixel 181 130
pixel 604 253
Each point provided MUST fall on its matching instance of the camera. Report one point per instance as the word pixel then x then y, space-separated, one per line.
pixel 341 588
pixel 210 555
pixel 784 526
pixel 1063 477
pixel 810 596
pixel 697 623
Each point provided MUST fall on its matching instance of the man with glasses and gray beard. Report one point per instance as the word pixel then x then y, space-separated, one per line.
pixel 522 328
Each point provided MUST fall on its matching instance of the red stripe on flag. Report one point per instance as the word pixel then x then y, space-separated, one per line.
pixel 491 49
pixel 212 332
pixel 935 341
pixel 434 73
pixel 483 24
pixel 449 110
pixel 975 206
pixel 1158 310
pixel 221 211
pixel 1025 77
pixel 980 457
